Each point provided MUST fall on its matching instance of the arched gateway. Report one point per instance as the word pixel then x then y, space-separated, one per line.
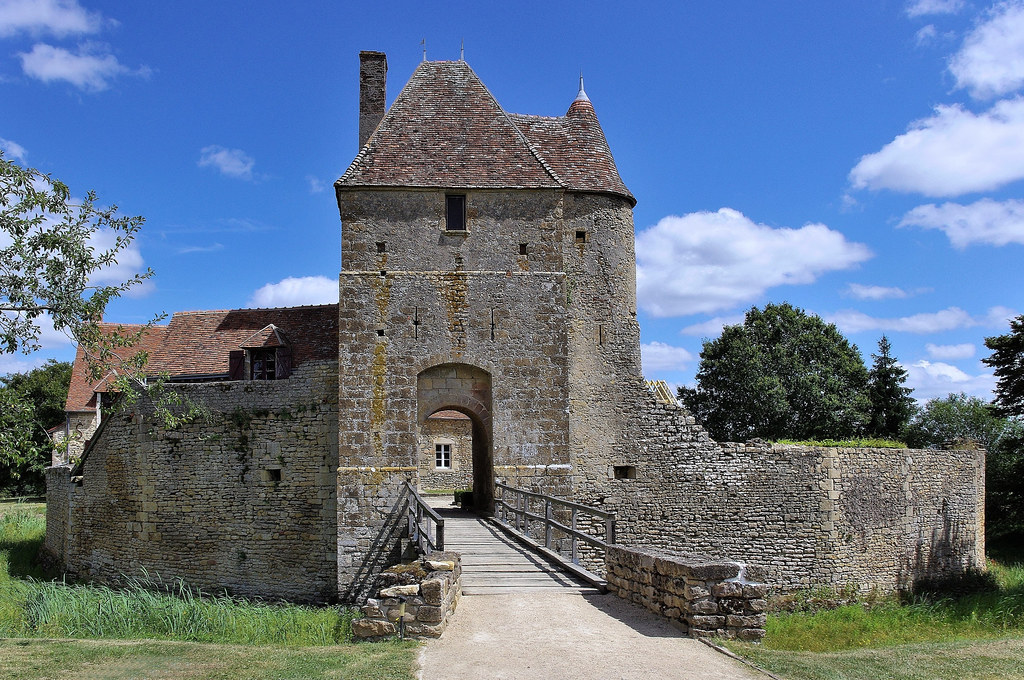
pixel 466 389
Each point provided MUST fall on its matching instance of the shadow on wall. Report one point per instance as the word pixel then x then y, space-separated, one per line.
pixel 940 556
pixel 385 551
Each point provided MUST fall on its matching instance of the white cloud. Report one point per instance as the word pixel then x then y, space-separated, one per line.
pixel 708 261
pixel 13 150
pixel 659 356
pixel 953 152
pixel 316 185
pixel 230 162
pixel 964 351
pixel 990 63
pixel 57 17
pixel 90 69
pixel 10 363
pixel 294 291
pixel 998 317
pixel 188 250
pixel 931 380
pixel 712 327
pixel 919 8
pixel 852 321
pixel 986 221
pixel 925 35
pixel 862 292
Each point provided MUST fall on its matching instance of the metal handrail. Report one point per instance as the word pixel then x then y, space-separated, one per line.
pixel 420 516
pixel 521 516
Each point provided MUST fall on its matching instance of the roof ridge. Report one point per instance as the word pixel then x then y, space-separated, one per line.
pixel 522 137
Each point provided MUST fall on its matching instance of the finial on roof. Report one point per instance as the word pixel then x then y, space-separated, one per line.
pixel 582 96
pixel 424 43
pixel 462 51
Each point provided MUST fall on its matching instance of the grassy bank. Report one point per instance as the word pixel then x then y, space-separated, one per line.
pixel 978 634
pixel 167 660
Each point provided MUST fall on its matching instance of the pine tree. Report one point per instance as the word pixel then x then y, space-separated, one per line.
pixel 891 403
pixel 1008 361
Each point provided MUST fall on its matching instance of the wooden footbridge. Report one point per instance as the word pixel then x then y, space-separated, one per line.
pixel 515 550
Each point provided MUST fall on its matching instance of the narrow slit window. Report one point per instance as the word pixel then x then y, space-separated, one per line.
pixel 522 249
pixel 443 456
pixel 581 236
pixel 455 212
pixel 381 247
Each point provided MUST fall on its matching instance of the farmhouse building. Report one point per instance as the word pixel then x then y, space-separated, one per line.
pixel 486 330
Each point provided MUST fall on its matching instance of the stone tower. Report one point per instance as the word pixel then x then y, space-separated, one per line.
pixel 487 268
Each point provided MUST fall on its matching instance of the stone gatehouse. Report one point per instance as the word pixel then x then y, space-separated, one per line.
pixel 487 270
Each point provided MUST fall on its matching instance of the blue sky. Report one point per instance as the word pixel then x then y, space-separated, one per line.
pixel 862 160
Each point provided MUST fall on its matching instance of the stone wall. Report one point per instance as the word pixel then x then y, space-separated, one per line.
pixel 58 512
pixel 417 599
pixel 811 516
pixel 457 433
pixel 700 596
pixel 243 503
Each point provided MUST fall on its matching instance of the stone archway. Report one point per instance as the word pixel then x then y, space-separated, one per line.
pixel 467 389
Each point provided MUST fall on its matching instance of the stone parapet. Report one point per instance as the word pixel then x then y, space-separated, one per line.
pixel 418 599
pixel 702 597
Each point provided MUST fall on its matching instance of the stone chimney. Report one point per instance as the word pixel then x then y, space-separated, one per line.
pixel 373 77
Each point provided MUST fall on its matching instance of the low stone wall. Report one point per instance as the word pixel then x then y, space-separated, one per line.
pixel 429 589
pixel 58 514
pixel 700 596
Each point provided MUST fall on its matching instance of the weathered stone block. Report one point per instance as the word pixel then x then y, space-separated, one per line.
pixel 753 621
pixel 433 591
pixel 400 591
pixel 428 614
pixel 371 628
pixel 727 589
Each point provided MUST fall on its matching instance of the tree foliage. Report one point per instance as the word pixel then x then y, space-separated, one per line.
pixel 1007 360
pixel 891 404
pixel 51 258
pixel 782 373
pixel 29 404
pixel 959 417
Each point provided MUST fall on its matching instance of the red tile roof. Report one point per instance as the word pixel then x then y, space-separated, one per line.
pixel 199 343
pixel 81 390
pixel 445 129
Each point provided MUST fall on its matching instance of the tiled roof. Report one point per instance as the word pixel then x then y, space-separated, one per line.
pixel 445 129
pixel 199 343
pixel 81 389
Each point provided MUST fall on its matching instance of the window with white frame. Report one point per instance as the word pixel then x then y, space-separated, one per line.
pixel 443 456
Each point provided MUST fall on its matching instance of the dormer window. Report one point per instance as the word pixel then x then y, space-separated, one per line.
pixel 455 212
pixel 264 364
pixel 267 354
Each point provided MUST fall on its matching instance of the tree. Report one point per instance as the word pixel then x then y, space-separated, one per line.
pixel 53 253
pixel 891 403
pixel 956 417
pixel 780 374
pixel 1008 361
pixel 960 417
pixel 29 403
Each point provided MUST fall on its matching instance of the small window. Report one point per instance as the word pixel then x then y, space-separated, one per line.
pixel 264 364
pixel 380 332
pixel 581 236
pixel 443 456
pixel 625 472
pixel 381 246
pixel 522 249
pixel 455 212
pixel 272 475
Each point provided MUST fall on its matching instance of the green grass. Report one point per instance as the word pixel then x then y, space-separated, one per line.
pixel 977 634
pixel 33 607
pixel 139 660
pixel 848 443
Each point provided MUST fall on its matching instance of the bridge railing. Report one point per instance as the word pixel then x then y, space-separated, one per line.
pixel 518 505
pixel 426 527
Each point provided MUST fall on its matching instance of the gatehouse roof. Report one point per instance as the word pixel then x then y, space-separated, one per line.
pixel 445 129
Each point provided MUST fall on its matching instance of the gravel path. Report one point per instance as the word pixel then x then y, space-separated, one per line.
pixel 568 636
